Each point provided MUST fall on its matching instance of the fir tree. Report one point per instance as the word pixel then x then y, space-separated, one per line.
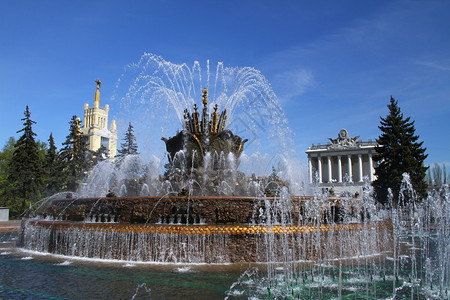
pixel 53 169
pixel 398 152
pixel 97 156
pixel 129 145
pixel 25 168
pixel 74 156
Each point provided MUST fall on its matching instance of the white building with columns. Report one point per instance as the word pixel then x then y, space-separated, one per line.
pixel 342 164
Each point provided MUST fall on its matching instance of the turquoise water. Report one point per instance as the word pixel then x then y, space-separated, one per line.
pixel 31 275
pixel 27 275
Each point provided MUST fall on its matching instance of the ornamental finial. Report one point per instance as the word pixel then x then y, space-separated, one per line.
pixel 205 97
pixel 98 83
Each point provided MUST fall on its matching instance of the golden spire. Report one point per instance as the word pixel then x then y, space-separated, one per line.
pixel 97 94
pixel 205 97
pixel 215 116
pixel 195 119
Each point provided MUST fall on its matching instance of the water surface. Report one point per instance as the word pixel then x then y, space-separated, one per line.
pixel 28 275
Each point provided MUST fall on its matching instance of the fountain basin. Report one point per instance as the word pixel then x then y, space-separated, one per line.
pixel 204 243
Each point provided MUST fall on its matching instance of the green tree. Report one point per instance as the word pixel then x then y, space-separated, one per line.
pixel 5 158
pixel 95 157
pixel 74 156
pixel 53 169
pixel 398 152
pixel 25 174
pixel 437 176
pixel 129 146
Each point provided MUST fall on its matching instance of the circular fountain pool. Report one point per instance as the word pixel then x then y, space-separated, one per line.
pixel 203 229
pixel 203 210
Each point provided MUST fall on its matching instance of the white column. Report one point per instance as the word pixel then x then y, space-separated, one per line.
pixel 372 171
pixel 310 170
pixel 339 168
pixel 360 167
pixel 350 172
pixel 319 168
pixel 330 178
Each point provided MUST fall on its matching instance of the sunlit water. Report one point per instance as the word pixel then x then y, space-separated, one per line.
pixel 153 93
pixel 415 265
pixel 30 275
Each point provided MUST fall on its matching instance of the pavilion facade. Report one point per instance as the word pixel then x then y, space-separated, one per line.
pixel 344 164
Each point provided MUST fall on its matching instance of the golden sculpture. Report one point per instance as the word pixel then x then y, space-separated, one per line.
pixel 204 133
pixel 205 97
pixel 196 120
pixel 214 119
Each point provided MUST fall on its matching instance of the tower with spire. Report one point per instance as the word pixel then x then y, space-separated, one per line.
pixel 95 125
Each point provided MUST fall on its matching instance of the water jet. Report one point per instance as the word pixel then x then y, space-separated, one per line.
pixel 201 207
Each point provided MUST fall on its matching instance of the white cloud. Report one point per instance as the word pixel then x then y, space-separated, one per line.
pixel 345 76
pixel 445 66
pixel 294 82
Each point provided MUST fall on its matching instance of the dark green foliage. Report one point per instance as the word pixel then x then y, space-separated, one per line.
pixel 129 146
pixel 74 156
pixel 399 152
pixel 100 155
pixel 5 158
pixel 6 198
pixel 53 169
pixel 30 171
pixel 25 174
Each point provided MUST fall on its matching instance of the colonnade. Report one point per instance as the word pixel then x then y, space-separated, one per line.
pixel 344 164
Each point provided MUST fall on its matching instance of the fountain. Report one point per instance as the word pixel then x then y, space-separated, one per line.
pixel 203 209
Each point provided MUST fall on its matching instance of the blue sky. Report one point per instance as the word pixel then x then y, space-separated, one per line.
pixel 333 64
